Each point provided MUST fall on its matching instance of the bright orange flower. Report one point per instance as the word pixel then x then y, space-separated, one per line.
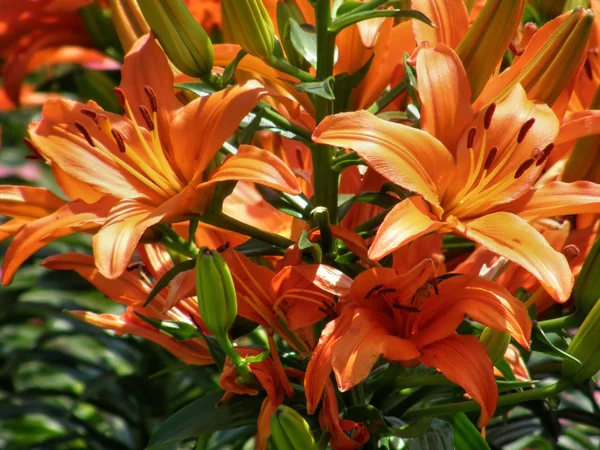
pixel 132 289
pixel 391 315
pixel 473 173
pixel 35 33
pixel 206 12
pixel 155 160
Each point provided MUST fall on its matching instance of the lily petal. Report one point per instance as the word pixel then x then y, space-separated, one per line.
pixel 28 203
pixel 512 237
pixel 577 125
pixel 450 17
pixel 445 93
pixel 464 361
pixel 407 221
pixel 409 157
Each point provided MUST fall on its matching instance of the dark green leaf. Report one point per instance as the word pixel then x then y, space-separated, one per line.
pixel 466 435
pixel 350 19
pixel 177 330
pixel 304 40
pixel 167 277
pixel 207 415
pixel 322 89
pixel 541 343
pixel 247 135
pixel 196 87
pixel 229 71
pixel 440 436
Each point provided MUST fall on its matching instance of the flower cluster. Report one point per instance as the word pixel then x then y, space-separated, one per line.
pixel 396 195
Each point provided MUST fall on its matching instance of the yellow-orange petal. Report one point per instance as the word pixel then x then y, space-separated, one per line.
pixel 28 203
pixel 407 221
pixel 577 125
pixel 409 157
pixel 464 361
pixel 450 17
pixel 445 94
pixel 510 236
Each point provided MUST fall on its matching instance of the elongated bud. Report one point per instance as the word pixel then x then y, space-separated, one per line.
pixel 129 22
pixel 496 343
pixel 288 10
pixel 289 430
pixel 586 290
pixel 249 25
pixel 483 47
pixel 182 38
pixel 585 346
pixel 217 301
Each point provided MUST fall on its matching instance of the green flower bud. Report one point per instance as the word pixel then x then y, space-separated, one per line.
pixel 288 10
pixel 217 300
pixel 586 290
pixel 483 47
pixel 249 25
pixel 496 343
pixel 586 348
pixel 289 430
pixel 182 38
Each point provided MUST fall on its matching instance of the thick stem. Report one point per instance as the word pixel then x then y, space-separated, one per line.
pixel 175 242
pixel 286 67
pixel 325 179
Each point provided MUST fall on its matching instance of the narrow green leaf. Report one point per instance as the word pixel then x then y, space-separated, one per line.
pixel 229 71
pixel 304 40
pixel 541 343
pixel 350 19
pixel 167 277
pixel 322 89
pixel 466 435
pixel 177 330
pixel 196 87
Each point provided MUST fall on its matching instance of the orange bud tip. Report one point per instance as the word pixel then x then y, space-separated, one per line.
pixel 523 168
pixel 147 117
pixel 119 140
pixel 89 113
pixel 152 97
pixel 85 133
pixel 525 129
pixel 471 137
pixel 489 115
pixel 490 158
pixel 571 252
pixel 120 96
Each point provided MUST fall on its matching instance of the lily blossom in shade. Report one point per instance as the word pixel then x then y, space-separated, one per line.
pixel 399 318
pixel 473 173
pixel 156 159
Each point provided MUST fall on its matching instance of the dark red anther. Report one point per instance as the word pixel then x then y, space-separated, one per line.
pixel 525 129
pixel 514 50
pixel 546 152
pixel 89 113
pixel 152 97
pixel 571 252
pixel 120 96
pixel 587 65
pixel 85 133
pixel 490 158
pixel 523 168
pixel 373 290
pixel 147 117
pixel 471 137
pixel 119 139
pixel 489 115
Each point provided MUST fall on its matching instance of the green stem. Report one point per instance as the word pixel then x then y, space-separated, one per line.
pixel 560 323
pixel 286 67
pixel 387 98
pixel 175 242
pixel 321 217
pixel 236 359
pixel 279 120
pixel 425 380
pixel 231 224
pixel 325 179
pixel 503 400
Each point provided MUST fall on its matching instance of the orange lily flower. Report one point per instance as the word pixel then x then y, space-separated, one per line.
pixel 36 33
pixel 391 315
pixel 155 160
pixel 207 13
pixel 473 173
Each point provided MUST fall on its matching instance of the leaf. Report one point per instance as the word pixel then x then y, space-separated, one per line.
pixel 247 135
pixel 466 435
pixel 322 89
pixel 541 343
pixel 345 82
pixel 177 330
pixel 229 71
pixel 207 415
pixel 440 436
pixel 257 358
pixel 256 247
pixel 167 277
pixel 304 40
pixel 196 87
pixel 350 19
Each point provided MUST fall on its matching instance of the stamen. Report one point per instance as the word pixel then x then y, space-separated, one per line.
pixel 387 291
pixel 147 117
pixel 514 50
pixel 546 153
pixel 84 131
pixel 523 168
pixel 152 97
pixel 571 252
pixel 489 114
pixel 588 69
pixel 373 290
pixel 89 113
pixel 525 129
pixel 471 137
pixel 490 159
pixel 120 96
pixel 119 139
pixel 224 247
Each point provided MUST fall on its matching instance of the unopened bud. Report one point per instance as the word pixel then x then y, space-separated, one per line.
pixel 585 347
pixel 182 38
pixel 586 290
pixel 129 22
pixel 496 343
pixel 488 38
pixel 217 300
pixel 289 430
pixel 249 25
